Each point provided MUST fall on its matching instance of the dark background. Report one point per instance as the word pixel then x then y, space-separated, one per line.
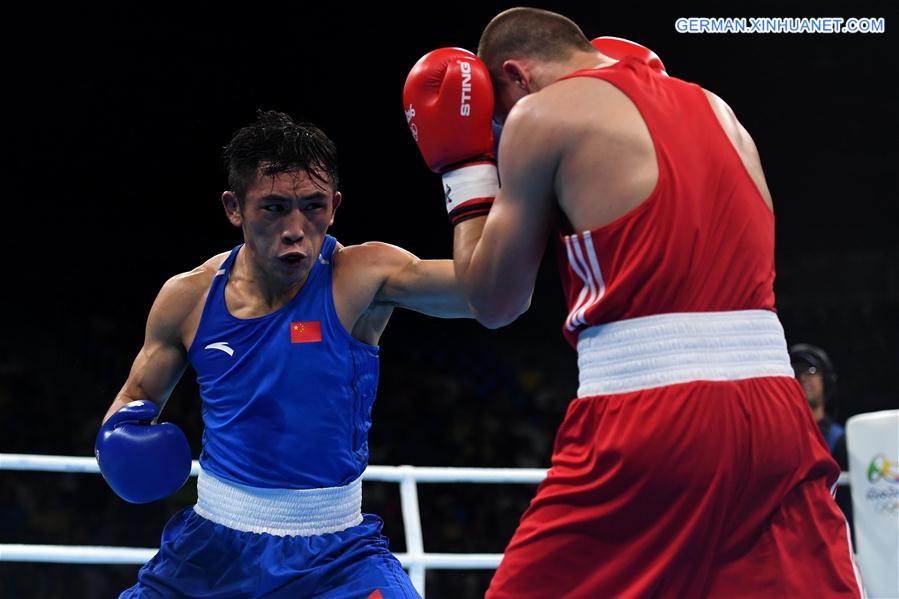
pixel 113 130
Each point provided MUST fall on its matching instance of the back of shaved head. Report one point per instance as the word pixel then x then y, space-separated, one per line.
pixel 529 33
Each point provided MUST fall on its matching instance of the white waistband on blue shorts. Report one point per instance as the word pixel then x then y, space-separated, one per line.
pixel 281 512
pixel 666 349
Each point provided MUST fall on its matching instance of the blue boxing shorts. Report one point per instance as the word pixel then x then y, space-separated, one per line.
pixel 241 541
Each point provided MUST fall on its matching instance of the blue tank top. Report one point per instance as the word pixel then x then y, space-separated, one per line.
pixel 287 396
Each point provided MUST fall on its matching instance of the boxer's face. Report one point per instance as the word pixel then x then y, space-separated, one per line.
pixel 284 218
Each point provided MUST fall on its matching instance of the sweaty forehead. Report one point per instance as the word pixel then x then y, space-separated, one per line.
pixel 289 183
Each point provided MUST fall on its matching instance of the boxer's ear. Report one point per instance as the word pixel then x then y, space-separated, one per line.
pixel 232 208
pixel 337 199
pixel 517 74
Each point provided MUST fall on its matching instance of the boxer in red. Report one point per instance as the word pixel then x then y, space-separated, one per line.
pixel 689 464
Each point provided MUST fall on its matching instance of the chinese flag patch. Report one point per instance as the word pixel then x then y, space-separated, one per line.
pixel 306 332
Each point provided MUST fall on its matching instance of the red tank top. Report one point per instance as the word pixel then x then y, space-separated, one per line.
pixel 702 241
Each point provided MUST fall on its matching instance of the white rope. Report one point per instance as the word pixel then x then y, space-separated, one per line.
pixel 88 554
pixel 75 554
pixel 422 474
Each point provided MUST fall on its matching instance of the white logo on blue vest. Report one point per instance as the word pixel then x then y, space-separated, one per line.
pixel 222 345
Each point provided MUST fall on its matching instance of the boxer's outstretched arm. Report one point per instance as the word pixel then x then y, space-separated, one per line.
pixel 426 286
pixel 496 258
pixel 162 359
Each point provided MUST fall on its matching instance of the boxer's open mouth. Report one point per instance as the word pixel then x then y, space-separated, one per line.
pixel 293 258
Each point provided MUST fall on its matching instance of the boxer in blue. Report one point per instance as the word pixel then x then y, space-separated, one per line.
pixel 282 332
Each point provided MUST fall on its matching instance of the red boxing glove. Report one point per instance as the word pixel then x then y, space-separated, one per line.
pixel 618 48
pixel 448 99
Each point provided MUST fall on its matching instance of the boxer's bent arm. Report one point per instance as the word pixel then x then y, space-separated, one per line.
pixel 162 359
pixel 497 257
pixel 426 286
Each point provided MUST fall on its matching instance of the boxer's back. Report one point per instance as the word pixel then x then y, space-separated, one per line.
pixel 666 208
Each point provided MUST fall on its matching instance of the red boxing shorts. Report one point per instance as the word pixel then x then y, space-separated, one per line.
pixel 691 489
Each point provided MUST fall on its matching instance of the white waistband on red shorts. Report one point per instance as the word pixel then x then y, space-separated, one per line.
pixel 666 349
pixel 281 512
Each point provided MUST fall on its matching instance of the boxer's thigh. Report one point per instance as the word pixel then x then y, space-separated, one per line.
pixel 375 576
pixel 200 558
pixel 197 557
pixel 636 500
pixel 786 536
pixel 803 550
pixel 354 563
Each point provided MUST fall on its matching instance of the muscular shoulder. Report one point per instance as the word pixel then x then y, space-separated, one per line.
pixel 372 254
pixel 187 285
pixel 741 140
pixel 565 102
pixel 361 275
pixel 550 120
pixel 184 293
pixel 737 134
pixel 532 113
pixel 361 271
pixel 724 112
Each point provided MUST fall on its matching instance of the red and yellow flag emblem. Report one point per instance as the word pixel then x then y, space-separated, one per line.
pixel 306 332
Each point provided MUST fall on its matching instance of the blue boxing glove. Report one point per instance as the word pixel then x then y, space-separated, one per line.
pixel 142 462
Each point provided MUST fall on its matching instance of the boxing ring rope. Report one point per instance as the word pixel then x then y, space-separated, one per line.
pixel 415 558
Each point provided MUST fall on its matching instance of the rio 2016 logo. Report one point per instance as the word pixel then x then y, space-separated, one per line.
pixel 883 499
pixel 881 468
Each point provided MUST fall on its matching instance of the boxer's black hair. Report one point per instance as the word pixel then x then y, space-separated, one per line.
pixel 281 145
pixel 529 32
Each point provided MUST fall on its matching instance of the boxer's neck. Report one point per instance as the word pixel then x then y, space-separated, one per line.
pixel 550 72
